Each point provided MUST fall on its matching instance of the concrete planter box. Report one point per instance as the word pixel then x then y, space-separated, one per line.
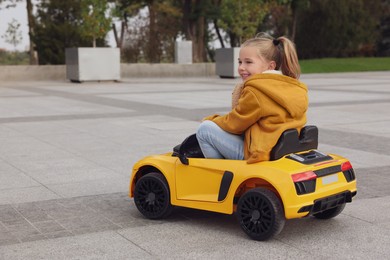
pixel 92 64
pixel 226 62
pixel 183 52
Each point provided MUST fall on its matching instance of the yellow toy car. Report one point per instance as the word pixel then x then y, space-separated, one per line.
pixel 298 181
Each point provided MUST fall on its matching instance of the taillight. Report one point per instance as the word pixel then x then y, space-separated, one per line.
pixel 346 166
pixel 304 176
pixel 348 171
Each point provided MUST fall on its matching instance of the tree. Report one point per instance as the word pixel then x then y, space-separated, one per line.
pixel 194 27
pixel 197 15
pixel 122 11
pixel 95 20
pixel 135 37
pixel 160 25
pixel 13 35
pixel 337 28
pixel 245 25
pixel 9 3
pixel 278 20
pixel 30 18
pixel 163 29
pixel 383 42
pixel 57 27
pixel 297 6
pixel 283 17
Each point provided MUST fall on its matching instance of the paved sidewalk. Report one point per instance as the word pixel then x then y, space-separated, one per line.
pixel 66 152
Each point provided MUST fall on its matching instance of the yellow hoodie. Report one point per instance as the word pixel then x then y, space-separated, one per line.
pixel 269 104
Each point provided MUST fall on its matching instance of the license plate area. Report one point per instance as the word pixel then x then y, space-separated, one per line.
pixel 329 179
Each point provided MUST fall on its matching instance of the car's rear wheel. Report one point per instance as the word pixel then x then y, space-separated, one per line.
pixel 260 214
pixel 152 197
pixel 330 213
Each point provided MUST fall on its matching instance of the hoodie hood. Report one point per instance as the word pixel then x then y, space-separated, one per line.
pixel 287 92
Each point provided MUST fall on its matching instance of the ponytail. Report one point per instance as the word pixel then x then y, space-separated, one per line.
pixel 289 58
pixel 281 50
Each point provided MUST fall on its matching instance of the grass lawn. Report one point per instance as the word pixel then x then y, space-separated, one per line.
pixel 345 65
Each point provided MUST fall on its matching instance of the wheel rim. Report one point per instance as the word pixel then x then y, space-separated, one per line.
pixel 256 215
pixel 150 197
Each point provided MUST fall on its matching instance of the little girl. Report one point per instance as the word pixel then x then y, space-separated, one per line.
pixel 269 101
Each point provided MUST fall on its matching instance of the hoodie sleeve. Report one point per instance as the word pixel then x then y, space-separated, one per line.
pixel 246 113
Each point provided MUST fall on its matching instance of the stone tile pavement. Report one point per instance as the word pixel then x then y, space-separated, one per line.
pixel 66 152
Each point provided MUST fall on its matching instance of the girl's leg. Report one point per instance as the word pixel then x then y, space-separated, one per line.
pixel 218 144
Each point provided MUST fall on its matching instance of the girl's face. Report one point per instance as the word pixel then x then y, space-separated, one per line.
pixel 249 63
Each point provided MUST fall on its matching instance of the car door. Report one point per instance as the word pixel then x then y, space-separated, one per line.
pixel 201 179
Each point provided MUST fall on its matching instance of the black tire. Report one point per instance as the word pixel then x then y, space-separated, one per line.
pixel 260 214
pixel 330 213
pixel 152 197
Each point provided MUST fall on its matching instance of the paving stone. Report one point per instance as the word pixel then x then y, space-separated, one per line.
pixel 58 234
pixel 9 240
pixel 33 237
pixel 32 213
pixel 50 226
pixel 23 231
pixel 8 213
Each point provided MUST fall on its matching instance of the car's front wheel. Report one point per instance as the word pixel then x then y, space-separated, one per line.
pixel 152 197
pixel 330 213
pixel 260 214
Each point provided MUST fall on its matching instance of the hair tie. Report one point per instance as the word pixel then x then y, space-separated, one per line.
pixel 276 42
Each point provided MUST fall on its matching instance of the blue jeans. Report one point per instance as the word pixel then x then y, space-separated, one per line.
pixel 219 144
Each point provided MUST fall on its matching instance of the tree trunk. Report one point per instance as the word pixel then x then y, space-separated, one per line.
pixel 294 24
pixel 122 37
pixel 194 29
pixel 31 26
pixel 190 27
pixel 218 34
pixel 200 50
pixel 217 3
pixel 187 6
pixel 119 38
pixel 153 45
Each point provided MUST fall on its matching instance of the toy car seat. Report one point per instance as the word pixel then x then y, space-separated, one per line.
pixel 189 148
pixel 291 142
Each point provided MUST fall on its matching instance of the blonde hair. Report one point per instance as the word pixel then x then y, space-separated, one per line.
pixel 281 50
